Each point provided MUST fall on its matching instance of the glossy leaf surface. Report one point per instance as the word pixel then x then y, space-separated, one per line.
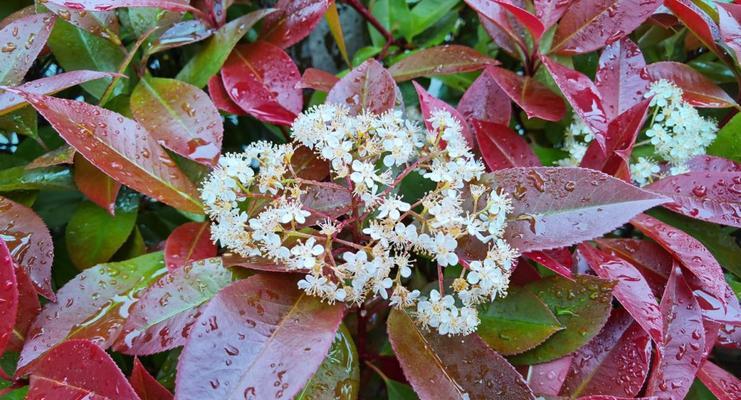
pixel 441 60
pixel 145 385
pixel 189 242
pixel 8 296
pixel 22 40
pixel 339 375
pixel 620 77
pixel 697 89
pixel 536 99
pixel 293 21
pixel 368 87
pixel 485 101
pixel 502 148
pixel 429 104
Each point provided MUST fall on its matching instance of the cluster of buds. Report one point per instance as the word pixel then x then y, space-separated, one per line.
pixel 257 204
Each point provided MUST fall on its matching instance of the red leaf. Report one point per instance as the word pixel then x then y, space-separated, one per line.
pixel 254 263
pixel 22 40
pixel 546 379
pixel 29 242
pixel 591 24
pixel 145 385
pixel 294 21
pixel 180 116
pixel 317 79
pixel 558 207
pixel 428 104
pixel 583 96
pixel 696 21
pixel 166 312
pixel 619 140
pixel 729 16
pixel 529 21
pixel 28 308
pixel 254 332
pixel 100 188
pixel 189 242
pixel 221 98
pixel 440 60
pixel 261 79
pixel 681 351
pixel 720 382
pixel 550 11
pixel 8 296
pixel 326 201
pixel 485 101
pixel 443 367
pixel 709 196
pixel 119 147
pixel 712 164
pixel 545 258
pixel 632 290
pixel 620 77
pixel 615 362
pixel 10 101
pixel 368 87
pixel 688 250
pixel 107 5
pixel 501 148
pixel 497 23
pixel 535 99
pixel 79 369
pixel 654 262
pixel 63 154
pixel 698 90
pixel 307 165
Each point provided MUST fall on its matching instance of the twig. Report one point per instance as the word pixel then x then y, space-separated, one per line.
pixel 363 11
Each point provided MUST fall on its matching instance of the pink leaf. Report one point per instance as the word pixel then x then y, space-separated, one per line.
pixel 221 98
pixel 501 148
pixel 28 308
pixel 550 11
pixel 189 242
pixel 729 17
pixel 29 242
pixel 632 290
pixel 720 382
pixel 145 385
pixel 547 260
pixel 696 21
pixel 615 362
pixel 546 379
pixel 496 21
pixel 652 260
pixel 558 207
pixel 261 329
pixel 709 196
pixel 22 41
pixel 79 369
pixel 261 79
pixel 428 104
pixel 166 312
pixel 712 164
pixel 442 367
pixel 107 5
pixel 317 79
pixel 535 99
pixel 368 87
pixel 620 77
pixel 485 101
pixel 440 60
pixel 698 90
pixel 681 351
pixel 583 96
pixel 591 24
pixel 100 188
pixel 529 21
pixel 293 22
pixel 8 296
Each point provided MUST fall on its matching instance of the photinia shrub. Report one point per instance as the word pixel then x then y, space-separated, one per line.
pixel 310 199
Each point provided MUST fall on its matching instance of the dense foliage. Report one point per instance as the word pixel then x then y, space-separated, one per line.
pixel 434 199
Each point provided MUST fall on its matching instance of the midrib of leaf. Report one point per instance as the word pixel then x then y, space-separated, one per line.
pixel 421 70
pixel 195 241
pixel 66 384
pixel 581 27
pixel 589 377
pixel 167 107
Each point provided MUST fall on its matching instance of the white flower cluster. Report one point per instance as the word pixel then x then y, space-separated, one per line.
pixel 575 141
pixel 255 200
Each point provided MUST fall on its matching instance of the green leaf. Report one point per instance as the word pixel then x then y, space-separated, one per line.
pixel 728 141
pixel 23 122
pixel 401 18
pixel 93 235
pixel 380 10
pixel 581 306
pixel 428 12
pixel 338 377
pixel 76 49
pixel 517 323
pixel 208 61
pixel 50 178
pixel 399 391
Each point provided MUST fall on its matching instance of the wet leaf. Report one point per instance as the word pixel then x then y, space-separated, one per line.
pixel 516 323
pixel 79 369
pixel 180 116
pixel 28 308
pixel 549 260
pixel 48 178
pixel 484 100
pixel 614 363
pixel 502 148
pixel 729 16
pixel 21 41
pixel 61 155
pixel 558 207
pixel 251 334
pixel 591 24
pixel 145 385
pixel 698 90
pixel 101 23
pixel 546 379
pixel 100 188
pixel 181 34
pixel 261 79
pixel 722 383
pixel 8 296
pixel 86 245
pixel 106 5
pixel 550 11
pixel 318 80
pixel 93 305
pixel 189 242
pixel 338 377
pixel 132 158
pixel 440 366
pixel 712 164
pixel 535 99
pixel 581 306
pixel 29 242
pixel 620 78
pixel 221 98
pixel 681 351
pixel 368 87
pixel 293 21
pixel 167 310
pixel 727 142
pixel 529 21
pixel 209 60
pixel 440 60
pixel 701 25
pixel 429 104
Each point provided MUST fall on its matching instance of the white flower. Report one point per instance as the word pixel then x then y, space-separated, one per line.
pixel 643 170
pixel 444 249
pixel 401 297
pixel 293 211
pixel 392 207
pixel 364 173
pixel 433 309
pixel 304 254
